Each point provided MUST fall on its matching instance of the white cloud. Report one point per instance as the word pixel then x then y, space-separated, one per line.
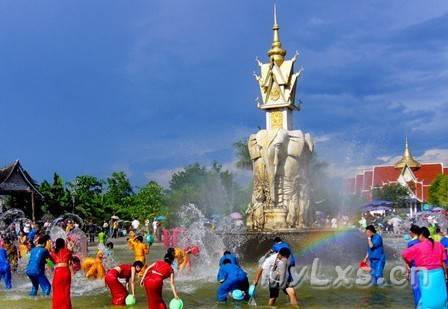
pixel 162 176
pixel 321 138
pixel 434 155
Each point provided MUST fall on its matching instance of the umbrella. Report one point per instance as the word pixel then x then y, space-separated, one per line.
pixel 394 220
pixel 378 203
pixel 427 207
pixel 236 216
pixel 160 218
pixel 114 217
pixel 373 208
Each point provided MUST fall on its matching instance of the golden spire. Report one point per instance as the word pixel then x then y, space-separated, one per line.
pixel 276 53
pixel 407 159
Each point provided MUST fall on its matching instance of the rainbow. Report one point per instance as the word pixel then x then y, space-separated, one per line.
pixel 320 239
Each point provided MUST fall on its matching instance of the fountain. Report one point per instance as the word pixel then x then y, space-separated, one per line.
pixel 280 202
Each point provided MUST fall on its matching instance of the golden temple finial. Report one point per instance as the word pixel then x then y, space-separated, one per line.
pixel 407 159
pixel 276 53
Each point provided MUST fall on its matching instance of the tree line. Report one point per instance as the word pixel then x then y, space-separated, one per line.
pixel 213 190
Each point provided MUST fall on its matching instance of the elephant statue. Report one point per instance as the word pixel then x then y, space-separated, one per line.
pixel 281 162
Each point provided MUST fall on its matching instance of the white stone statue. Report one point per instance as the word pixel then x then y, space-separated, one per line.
pixel 280 155
pixel 280 180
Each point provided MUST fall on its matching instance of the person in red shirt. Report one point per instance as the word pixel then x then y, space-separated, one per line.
pixel 153 281
pixel 62 278
pixel 123 271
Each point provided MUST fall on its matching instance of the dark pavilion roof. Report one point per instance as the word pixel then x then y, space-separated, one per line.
pixel 14 178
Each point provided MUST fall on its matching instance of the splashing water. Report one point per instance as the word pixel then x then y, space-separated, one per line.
pixel 76 236
pixel 68 216
pixel 197 232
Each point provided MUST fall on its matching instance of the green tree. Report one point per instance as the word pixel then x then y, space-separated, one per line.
pixel 242 155
pixel 149 202
pixel 118 196
pixel 438 191
pixel 56 197
pixel 86 193
pixel 393 192
pixel 213 190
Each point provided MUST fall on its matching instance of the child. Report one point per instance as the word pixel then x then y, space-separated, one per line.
pixel 102 238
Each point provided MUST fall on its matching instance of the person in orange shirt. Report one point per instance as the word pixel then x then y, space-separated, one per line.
pixel 131 240
pixel 23 245
pixel 141 250
pixel 93 267
pixel 183 256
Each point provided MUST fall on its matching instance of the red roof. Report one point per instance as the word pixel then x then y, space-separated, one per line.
pixel 368 177
pixel 359 182
pixel 385 174
pixel 381 175
pixel 428 172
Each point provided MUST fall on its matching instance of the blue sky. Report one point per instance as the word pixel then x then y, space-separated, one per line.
pixel 91 87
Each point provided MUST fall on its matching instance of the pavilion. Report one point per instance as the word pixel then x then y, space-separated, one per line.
pixel 17 183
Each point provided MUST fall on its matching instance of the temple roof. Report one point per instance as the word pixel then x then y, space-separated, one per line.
pixel 10 183
pixel 407 159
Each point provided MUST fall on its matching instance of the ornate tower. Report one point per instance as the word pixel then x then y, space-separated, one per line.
pixel 278 83
pixel 280 155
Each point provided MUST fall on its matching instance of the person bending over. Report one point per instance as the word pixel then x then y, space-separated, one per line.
pixel 124 271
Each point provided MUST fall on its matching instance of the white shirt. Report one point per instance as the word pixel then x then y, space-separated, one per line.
pixel 267 265
pixel 135 224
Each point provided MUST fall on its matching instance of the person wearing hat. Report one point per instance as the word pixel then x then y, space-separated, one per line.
pixel 232 278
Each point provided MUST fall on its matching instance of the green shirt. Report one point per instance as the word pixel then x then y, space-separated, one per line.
pixel 102 238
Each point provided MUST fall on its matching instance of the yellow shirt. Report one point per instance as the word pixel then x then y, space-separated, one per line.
pixel 140 251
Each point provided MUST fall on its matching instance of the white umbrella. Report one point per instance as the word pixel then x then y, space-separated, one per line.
pixel 114 217
pixel 395 220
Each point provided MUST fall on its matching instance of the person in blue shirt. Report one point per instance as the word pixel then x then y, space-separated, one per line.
pixel 415 233
pixel 279 244
pixel 36 267
pixel 228 255
pixel 375 254
pixel 5 268
pixel 444 241
pixel 32 234
pixel 231 277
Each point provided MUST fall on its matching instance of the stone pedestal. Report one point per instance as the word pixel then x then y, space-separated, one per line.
pixel 275 219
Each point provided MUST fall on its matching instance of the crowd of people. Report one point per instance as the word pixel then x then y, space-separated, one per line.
pixel 59 257
pixel 425 257
pixel 426 262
